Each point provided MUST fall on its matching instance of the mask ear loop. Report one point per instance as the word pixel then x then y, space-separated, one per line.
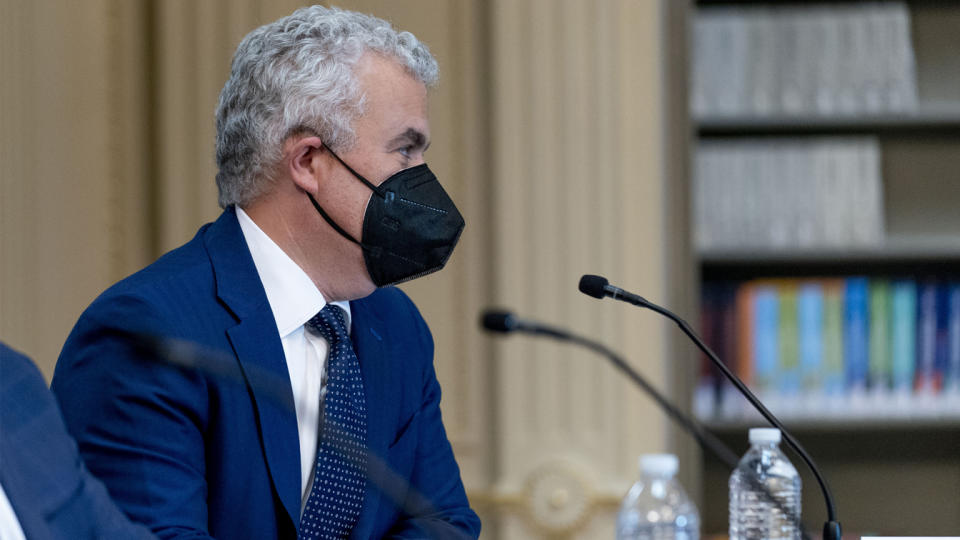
pixel 376 189
pixel 326 217
pixel 333 223
pixel 366 248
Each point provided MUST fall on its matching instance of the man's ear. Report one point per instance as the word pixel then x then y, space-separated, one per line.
pixel 305 163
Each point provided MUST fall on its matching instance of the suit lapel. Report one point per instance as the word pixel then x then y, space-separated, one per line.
pixel 366 333
pixel 260 354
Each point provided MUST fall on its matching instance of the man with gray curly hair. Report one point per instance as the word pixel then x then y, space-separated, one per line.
pixel 321 416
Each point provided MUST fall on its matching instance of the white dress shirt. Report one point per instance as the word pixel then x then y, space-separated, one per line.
pixel 294 300
pixel 9 524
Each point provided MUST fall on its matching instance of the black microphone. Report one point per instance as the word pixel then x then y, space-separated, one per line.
pixel 599 287
pixel 506 322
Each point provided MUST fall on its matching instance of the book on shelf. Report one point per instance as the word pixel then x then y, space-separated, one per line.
pixel 952 386
pixel 833 371
pixel 766 339
pixel 802 60
pixel 784 193
pixel 879 361
pixel 834 348
pixel 810 326
pixel 856 337
pixel 926 377
pixel 903 334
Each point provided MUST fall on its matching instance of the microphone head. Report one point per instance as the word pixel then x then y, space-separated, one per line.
pixel 594 286
pixel 498 321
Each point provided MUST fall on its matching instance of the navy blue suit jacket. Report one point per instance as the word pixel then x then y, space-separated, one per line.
pixel 52 493
pixel 194 454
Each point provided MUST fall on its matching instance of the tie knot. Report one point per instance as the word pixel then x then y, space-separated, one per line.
pixel 330 323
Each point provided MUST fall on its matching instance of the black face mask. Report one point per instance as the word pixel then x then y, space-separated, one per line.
pixel 410 226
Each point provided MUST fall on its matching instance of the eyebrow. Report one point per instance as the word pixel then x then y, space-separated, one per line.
pixel 411 136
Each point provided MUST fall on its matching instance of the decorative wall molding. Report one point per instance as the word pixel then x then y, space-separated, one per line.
pixel 550 127
pixel 580 186
pixel 558 498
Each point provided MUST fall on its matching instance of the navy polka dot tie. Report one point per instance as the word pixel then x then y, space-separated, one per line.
pixel 334 503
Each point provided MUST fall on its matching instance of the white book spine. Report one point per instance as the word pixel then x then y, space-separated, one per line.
pixel 700 50
pixel 829 67
pixel 902 92
pixel 875 62
pixel 763 81
pixel 846 69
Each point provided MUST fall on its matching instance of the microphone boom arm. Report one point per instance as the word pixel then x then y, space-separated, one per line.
pixel 506 322
pixel 720 450
pixel 831 529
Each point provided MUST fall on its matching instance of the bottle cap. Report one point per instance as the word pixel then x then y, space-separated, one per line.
pixel 659 464
pixel 764 435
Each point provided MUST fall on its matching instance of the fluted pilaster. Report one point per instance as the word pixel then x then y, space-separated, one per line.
pixel 580 187
pixel 72 216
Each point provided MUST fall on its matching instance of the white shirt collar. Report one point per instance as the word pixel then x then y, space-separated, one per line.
pixel 293 297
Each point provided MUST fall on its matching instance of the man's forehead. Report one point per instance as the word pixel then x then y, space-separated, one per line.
pixel 395 102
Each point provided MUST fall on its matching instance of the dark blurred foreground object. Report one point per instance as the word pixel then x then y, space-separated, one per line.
pixel 46 482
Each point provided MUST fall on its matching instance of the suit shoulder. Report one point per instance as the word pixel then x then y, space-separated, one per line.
pixel 17 370
pixel 182 263
pixel 175 278
pixel 11 357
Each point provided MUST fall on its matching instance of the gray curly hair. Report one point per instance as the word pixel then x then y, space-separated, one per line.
pixel 296 74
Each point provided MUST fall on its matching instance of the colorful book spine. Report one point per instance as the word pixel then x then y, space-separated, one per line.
pixel 833 364
pixel 810 311
pixel 880 366
pixel 766 347
pixel 903 347
pixel 821 344
pixel 941 360
pixel 745 332
pixel 856 332
pixel 953 372
pixel 727 327
pixel 787 373
pixel 926 337
pixel 705 396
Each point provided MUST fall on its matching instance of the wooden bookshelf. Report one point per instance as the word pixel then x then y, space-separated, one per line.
pixel 943 121
pixel 890 475
pixel 919 257
pixel 845 427
pixel 707 3
pixel 921 249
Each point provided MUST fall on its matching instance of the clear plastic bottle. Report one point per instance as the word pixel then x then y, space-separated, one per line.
pixel 753 515
pixel 656 507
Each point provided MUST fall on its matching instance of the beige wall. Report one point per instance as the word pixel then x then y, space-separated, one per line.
pixel 556 129
pixel 72 203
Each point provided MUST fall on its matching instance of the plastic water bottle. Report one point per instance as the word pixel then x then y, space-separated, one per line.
pixel 656 507
pixel 753 514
